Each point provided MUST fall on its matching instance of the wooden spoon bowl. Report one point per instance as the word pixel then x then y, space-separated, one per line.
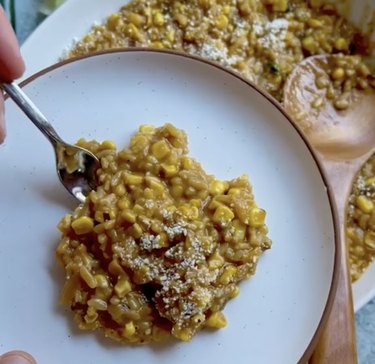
pixel 344 141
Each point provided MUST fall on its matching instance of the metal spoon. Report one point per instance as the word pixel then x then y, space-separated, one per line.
pixel 76 166
pixel 344 141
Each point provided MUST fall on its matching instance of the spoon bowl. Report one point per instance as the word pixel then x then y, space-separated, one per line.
pixel 336 134
pixel 76 167
pixel 344 139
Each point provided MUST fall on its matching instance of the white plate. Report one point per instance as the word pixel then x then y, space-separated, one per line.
pixel 47 44
pixel 232 130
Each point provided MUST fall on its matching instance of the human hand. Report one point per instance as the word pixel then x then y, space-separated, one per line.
pixel 11 63
pixel 17 357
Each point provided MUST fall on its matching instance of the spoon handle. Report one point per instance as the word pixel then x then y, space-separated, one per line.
pixel 337 343
pixel 32 112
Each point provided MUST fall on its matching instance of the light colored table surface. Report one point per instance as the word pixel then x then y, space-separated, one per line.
pixel 28 18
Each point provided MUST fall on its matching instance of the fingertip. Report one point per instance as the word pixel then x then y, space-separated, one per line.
pixel 17 357
pixel 12 65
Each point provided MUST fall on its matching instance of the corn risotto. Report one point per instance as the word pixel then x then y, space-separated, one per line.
pixel 160 246
pixel 263 40
pixel 361 220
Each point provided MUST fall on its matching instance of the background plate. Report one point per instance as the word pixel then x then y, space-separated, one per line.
pixel 232 129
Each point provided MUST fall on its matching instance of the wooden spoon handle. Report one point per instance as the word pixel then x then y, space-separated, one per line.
pixel 337 343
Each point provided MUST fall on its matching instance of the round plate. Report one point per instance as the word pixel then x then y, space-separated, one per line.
pixel 233 129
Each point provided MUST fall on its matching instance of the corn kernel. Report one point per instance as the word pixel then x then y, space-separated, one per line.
pixel 341 44
pixel 364 204
pixel 228 274
pixel 99 229
pixel 189 212
pixel 108 144
pixel 102 238
pixel 370 181
pixel 141 276
pixel 160 149
pixel 113 20
pixel 115 268
pixel 98 304
pixel 363 70
pixel 101 280
pixel 280 5
pixel 136 19
pixel 132 31
pixel 129 329
pixel 122 287
pixel 157 45
pixel 314 23
pixel 136 231
pixel 181 19
pixel 235 292
pixel 128 216
pixel 206 3
pixel 221 21
pixel 239 232
pixel 99 216
pixel 87 39
pixel 155 184
pixel 223 215
pixel 132 179
pixel 138 143
pixel 196 202
pixel 187 163
pixel 147 129
pixel 159 19
pixel 182 334
pixel 171 35
pixel 234 191
pixel 91 316
pixel 308 43
pixel 370 240
pixel 215 261
pixel 216 320
pixel 122 204
pixel 138 209
pixel 214 204
pixel 119 190
pixel 87 277
pixel 83 225
pixel 163 240
pixel 148 193
pixel 218 187
pixel 169 169
pixel 316 3
pixel 338 73
pixel 257 217
pixel 177 191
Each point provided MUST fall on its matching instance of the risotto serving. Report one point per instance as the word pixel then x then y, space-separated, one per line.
pixel 160 246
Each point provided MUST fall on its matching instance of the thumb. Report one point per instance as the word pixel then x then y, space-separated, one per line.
pixel 17 357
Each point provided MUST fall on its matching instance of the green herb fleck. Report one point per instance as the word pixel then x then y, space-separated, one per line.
pixel 274 68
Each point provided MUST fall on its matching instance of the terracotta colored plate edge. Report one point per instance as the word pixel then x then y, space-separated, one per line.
pixel 310 348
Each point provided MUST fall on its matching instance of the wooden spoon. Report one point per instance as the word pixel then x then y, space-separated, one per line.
pixel 344 141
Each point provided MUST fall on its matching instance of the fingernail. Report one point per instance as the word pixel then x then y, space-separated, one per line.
pixel 18 357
